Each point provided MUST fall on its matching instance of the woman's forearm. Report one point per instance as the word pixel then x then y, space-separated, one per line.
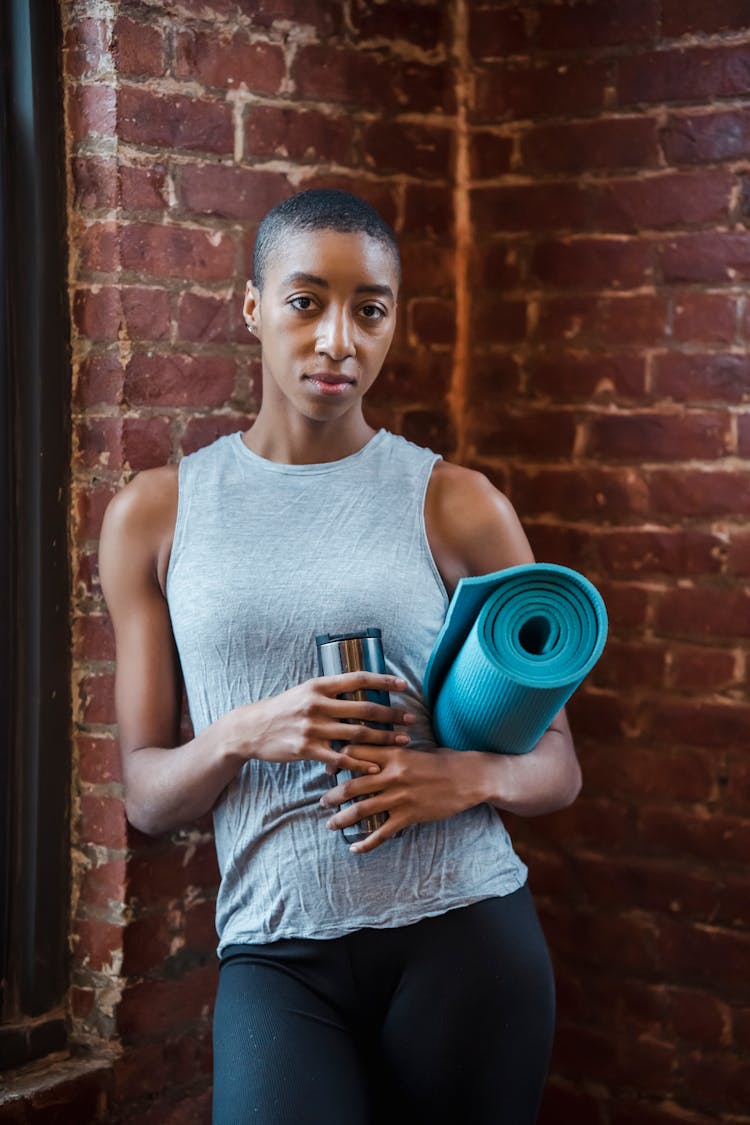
pixel 546 779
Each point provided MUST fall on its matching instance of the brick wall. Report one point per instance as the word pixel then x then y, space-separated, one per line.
pixel 569 182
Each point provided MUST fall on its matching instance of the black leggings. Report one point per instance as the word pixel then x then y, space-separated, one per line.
pixel 446 1020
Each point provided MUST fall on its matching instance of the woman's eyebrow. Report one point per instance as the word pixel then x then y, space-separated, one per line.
pixel 312 279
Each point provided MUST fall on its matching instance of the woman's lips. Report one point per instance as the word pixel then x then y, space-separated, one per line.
pixel 330 384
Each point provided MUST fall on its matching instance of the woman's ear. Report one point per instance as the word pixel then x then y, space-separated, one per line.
pixel 251 309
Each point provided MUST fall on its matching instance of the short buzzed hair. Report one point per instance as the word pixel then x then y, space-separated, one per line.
pixel 319 209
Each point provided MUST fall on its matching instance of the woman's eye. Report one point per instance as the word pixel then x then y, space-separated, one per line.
pixel 372 312
pixel 301 303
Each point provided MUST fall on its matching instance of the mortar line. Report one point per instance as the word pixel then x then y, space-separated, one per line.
pixel 457 396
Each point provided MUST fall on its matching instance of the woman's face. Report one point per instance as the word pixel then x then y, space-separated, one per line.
pixel 325 319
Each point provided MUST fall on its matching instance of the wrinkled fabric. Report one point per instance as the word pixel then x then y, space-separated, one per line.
pixel 265 557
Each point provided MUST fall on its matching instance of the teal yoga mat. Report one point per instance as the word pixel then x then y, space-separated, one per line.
pixel 514 646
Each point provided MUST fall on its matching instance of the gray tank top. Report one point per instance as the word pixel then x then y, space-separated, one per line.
pixel 265 556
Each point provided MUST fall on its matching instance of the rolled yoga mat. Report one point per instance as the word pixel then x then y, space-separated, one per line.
pixel 514 647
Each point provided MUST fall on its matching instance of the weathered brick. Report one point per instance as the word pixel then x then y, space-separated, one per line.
pixel 496 33
pixel 635 552
pixel 94 183
pixel 103 886
pixel 98 248
pixel 153 1007
pixel 696 75
pixel 706 317
pixel 593 376
pixel 146 943
pixel 140 1071
pixel 99 380
pixel 706 138
pixel 658 437
pixel 550 542
pixel 96 697
pixel 102 821
pixel 143 189
pixel 704 613
pixel 89 505
pixel 87 47
pixel 96 944
pixel 691 377
pixel 627 665
pixel 698 1017
pixel 138 48
pixel 492 378
pixel 431 428
pixel 167 871
pixel 489 155
pixel 700 668
pixel 532 206
pixel 685 17
pixel 498 321
pixel 663 200
pixel 592 263
pixel 204 319
pixel 626 604
pixel 428 211
pixel 391 146
pixel 92 112
pixel 98 760
pixel 103 312
pixel 424 26
pixel 299 134
pixel 738 558
pixel 698 492
pixel 598 23
pixel 422 375
pixel 715 1078
pixel 743 435
pixel 166 251
pixel 619 142
pixel 432 321
pixel 619 320
pixel 219 58
pixel 720 256
pixel 227 192
pixel 522 90
pixel 325 16
pixel 174 122
pixel 540 434
pixel 427 266
pixel 576 493
pixel 93 637
pixel 703 953
pixel 179 380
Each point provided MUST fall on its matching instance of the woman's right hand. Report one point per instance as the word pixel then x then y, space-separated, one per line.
pixel 300 724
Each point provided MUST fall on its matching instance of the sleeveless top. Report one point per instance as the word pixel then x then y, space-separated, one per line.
pixel 266 556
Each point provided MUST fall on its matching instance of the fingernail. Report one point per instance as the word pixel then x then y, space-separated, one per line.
pixel 409 717
pixel 399 682
pixel 323 802
pixel 403 739
pixel 329 823
pixel 374 769
pixel 355 848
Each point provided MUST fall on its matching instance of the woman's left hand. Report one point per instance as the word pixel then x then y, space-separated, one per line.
pixel 412 786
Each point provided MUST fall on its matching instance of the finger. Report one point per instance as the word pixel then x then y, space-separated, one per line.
pixel 353 732
pixel 376 838
pixel 360 681
pixel 336 760
pixel 349 790
pixel 369 712
pixel 356 811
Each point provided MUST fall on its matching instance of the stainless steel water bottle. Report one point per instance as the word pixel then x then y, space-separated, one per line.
pixel 353 652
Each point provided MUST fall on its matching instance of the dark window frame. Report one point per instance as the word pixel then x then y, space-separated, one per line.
pixel 35 705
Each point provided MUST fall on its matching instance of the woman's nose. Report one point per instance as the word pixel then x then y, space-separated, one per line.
pixel 335 336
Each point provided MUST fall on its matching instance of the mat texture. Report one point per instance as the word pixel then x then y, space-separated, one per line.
pixel 514 647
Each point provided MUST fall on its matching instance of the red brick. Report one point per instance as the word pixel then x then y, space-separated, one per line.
pixel 702 378
pixel 146 944
pixel 344 75
pixel 615 883
pixel 92 112
pixel 99 381
pixel 298 134
pixel 82 1098
pixel 658 437
pixel 164 251
pixel 550 542
pixel 174 122
pixel 97 945
pixel 743 435
pixel 738 559
pixel 693 492
pixel 599 23
pixel 96 697
pixel 497 321
pixel 143 189
pixel 98 249
pixel 179 380
pixel 138 48
pixel 587 377
pixel 588 822
pixel 698 1017
pixel 102 312
pixel 502 432
pixel 496 34
pixel 705 953
pixel 489 155
pixel 738 786
pixel 606 320
pixel 432 321
pixel 714 839
pixel 570 1104
pixel 140 1071
pixel 694 722
pixel 418 24
pixel 583 933
pixel 592 263
pixel 191 1109
pixel 93 637
pixel 577 493
pixel 420 150
pixel 617 142
pixel 427 267
pixel 584 1053
pixel 703 613
pixel 678 553
pixel 98 760
pixel 642 1113
pixel 94 183
pixel 221 60
pixel 431 428
pixel 103 821
pixel 204 319
pixel 626 604
pixel 706 138
pixel 684 17
pixel 706 317
pixel 718 1080
pixel 421 375
pixel 154 1007
pixel 203 430
pixel 189 1056
pixel 497 265
pixel 532 206
pixel 664 200
pixel 649 773
pixel 701 669
pixel 87 583
pixel 707 257
pixel 168 872
pixel 234 193
pixel 628 665
pixel 492 378
pixel 87 46
pixel 698 75
pixel 200 926
pixel 520 90
pixel 89 507
pixel 428 211
pixel 325 16
pixel 604 714
pixel 82 1002
pixel 103 886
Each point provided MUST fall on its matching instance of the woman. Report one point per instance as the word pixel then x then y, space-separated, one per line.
pixel 400 979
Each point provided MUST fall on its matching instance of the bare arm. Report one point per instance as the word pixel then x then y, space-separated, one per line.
pixel 167 784
pixel 472 529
